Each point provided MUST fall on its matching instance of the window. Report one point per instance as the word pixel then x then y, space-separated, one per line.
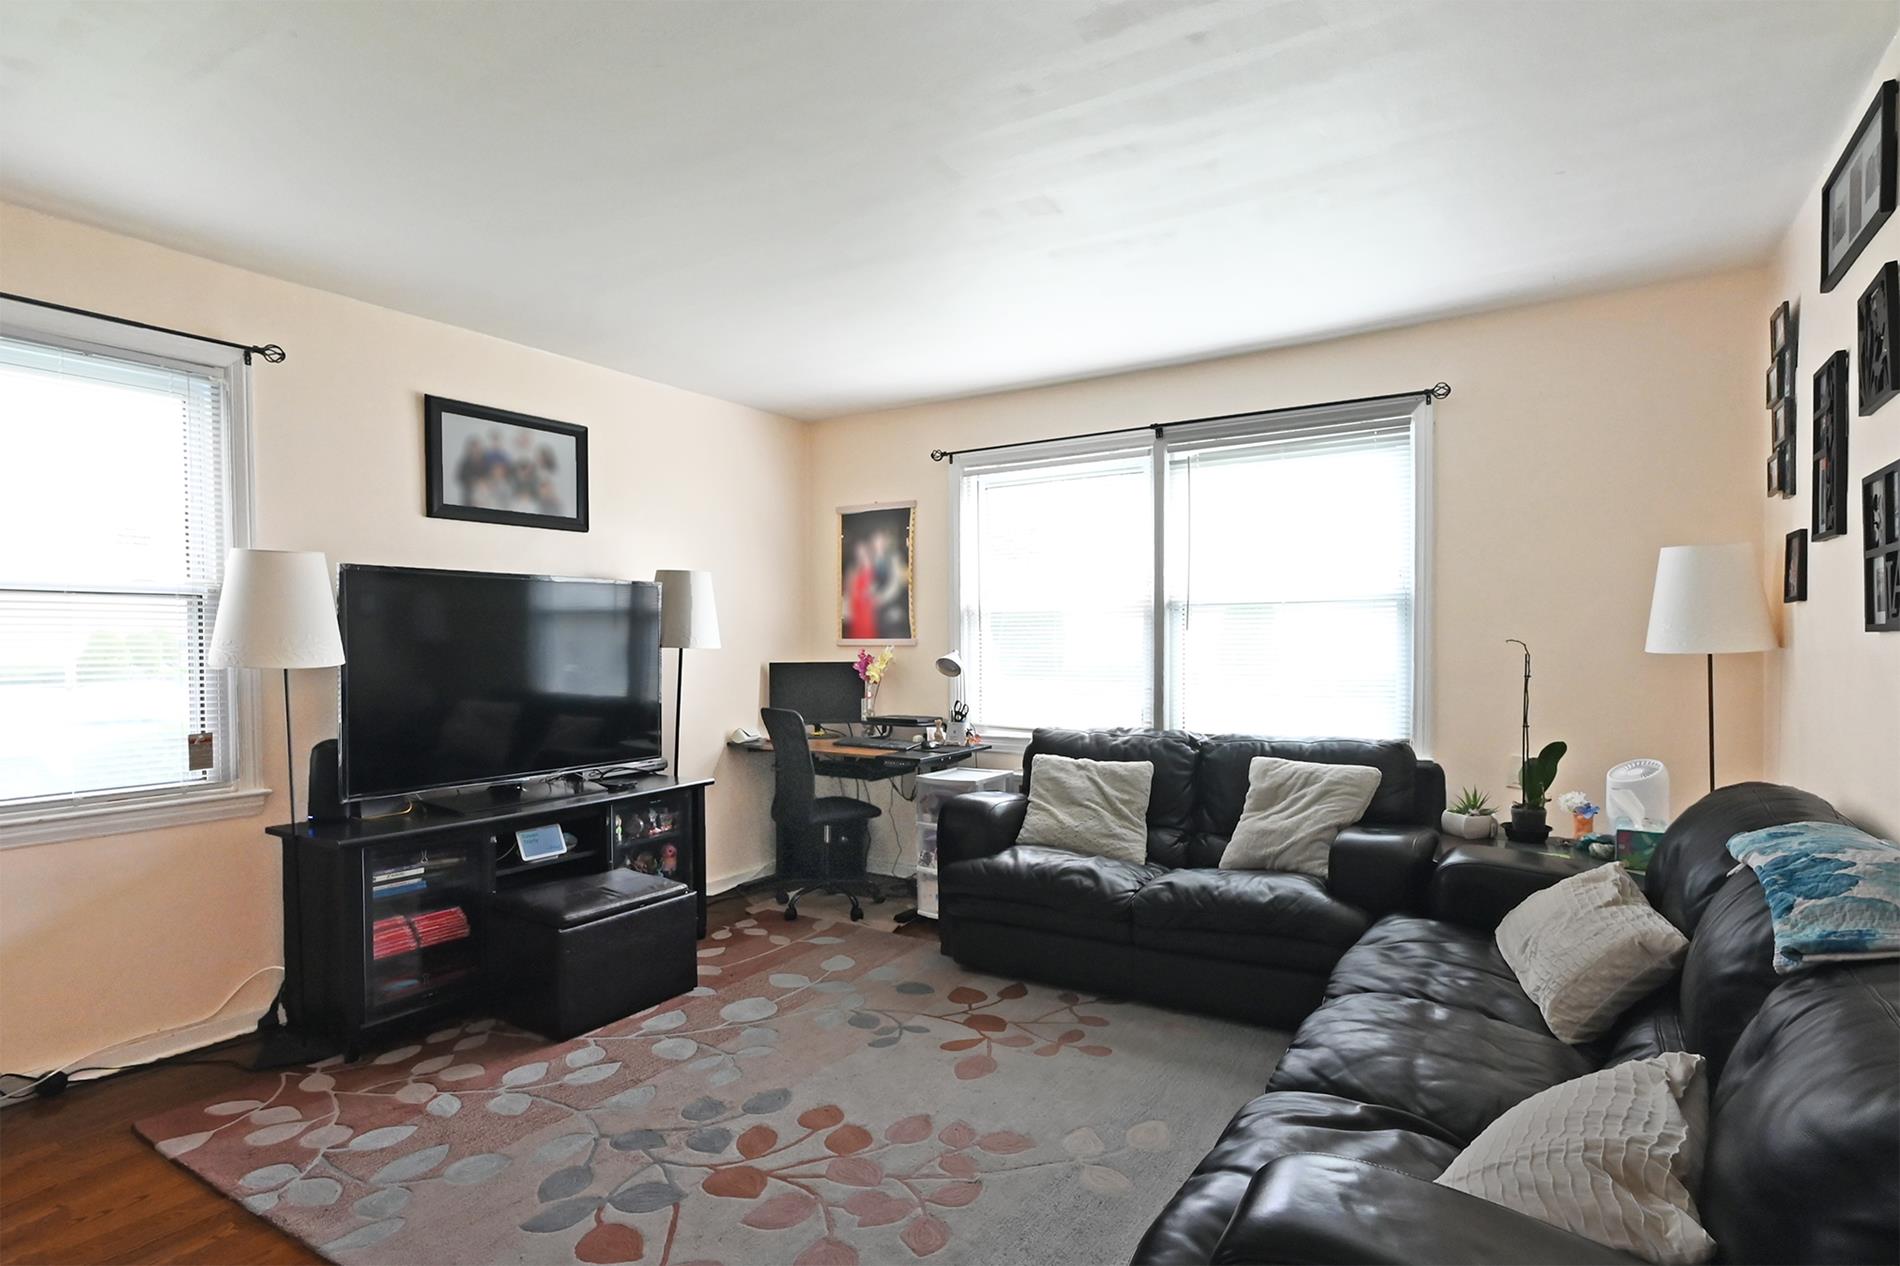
pixel 1057 576
pixel 115 526
pixel 1287 602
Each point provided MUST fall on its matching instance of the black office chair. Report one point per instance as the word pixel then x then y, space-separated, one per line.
pixel 824 840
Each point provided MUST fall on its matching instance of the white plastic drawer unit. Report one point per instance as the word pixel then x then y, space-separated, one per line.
pixel 932 791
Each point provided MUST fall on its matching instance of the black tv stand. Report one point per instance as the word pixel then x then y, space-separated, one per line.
pixel 384 917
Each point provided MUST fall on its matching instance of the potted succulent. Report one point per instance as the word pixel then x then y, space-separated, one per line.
pixel 1470 817
pixel 1528 825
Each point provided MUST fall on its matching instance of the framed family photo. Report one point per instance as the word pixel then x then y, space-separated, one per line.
pixel 493 466
pixel 877 603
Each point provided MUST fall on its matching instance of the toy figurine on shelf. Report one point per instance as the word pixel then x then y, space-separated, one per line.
pixel 669 860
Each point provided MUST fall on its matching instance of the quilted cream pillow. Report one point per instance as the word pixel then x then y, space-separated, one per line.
pixel 1586 948
pixel 1612 1156
pixel 1098 807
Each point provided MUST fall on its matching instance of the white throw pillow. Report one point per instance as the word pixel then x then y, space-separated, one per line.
pixel 1292 812
pixel 1613 1156
pixel 1586 948
pixel 1098 807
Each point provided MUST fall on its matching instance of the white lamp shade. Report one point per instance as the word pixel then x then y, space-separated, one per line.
pixel 689 617
pixel 276 611
pixel 1708 601
pixel 950 664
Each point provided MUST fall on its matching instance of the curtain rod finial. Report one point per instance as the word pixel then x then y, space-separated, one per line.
pixel 941 455
pixel 1440 390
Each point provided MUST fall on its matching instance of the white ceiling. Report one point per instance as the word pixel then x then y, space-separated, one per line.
pixel 820 206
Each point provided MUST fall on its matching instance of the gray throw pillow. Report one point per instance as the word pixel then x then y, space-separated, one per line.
pixel 1098 807
pixel 1292 812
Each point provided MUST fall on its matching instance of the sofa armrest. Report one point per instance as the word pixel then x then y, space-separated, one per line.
pixel 1382 869
pixel 1310 1208
pixel 1428 795
pixel 978 824
pixel 1478 884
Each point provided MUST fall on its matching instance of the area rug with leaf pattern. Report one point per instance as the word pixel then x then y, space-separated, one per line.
pixel 828 1094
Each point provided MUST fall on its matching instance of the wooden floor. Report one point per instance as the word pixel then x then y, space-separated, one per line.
pixel 78 1186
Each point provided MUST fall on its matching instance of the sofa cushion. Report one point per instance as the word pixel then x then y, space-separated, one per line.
pixel 1174 755
pixel 1256 916
pixel 1587 948
pixel 1282 1124
pixel 1095 807
pixel 1048 889
pixel 1294 812
pixel 1222 778
pixel 1457 1069
pixel 1802 1163
pixel 1429 959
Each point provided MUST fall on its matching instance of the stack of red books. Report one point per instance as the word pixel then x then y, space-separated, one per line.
pixel 392 936
pixel 438 926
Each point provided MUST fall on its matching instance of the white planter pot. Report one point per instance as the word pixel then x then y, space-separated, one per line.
pixel 1468 826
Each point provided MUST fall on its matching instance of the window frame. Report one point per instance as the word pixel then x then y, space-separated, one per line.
pixel 87 815
pixel 1423 483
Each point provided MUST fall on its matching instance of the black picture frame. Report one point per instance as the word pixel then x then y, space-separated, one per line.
pixel 1780 326
pixel 1877 326
pixel 1852 211
pixel 1794 567
pixel 1828 508
pixel 449 496
pixel 1880 555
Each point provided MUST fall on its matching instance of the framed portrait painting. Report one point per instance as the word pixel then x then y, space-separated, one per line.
pixel 877 604
pixel 493 466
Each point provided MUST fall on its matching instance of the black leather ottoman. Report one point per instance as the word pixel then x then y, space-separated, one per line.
pixel 570 955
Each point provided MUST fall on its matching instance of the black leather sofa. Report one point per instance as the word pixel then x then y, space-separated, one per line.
pixel 1254 945
pixel 1424 1038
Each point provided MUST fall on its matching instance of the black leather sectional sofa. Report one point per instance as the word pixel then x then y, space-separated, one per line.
pixel 1422 1037
pixel 1255 945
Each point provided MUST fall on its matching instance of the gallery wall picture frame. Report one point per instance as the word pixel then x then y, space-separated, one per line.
pixel 877 582
pixel 1859 193
pixel 1877 325
pixel 1780 328
pixel 1794 567
pixel 488 465
pixel 1828 512
pixel 1880 559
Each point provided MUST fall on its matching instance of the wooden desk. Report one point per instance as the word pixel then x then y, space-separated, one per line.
pixel 841 758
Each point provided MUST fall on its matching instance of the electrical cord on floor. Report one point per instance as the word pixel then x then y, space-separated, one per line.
pixel 56 1081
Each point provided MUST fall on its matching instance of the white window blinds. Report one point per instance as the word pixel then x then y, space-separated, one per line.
pixel 1290 556
pixel 1056 589
pixel 1287 603
pixel 114 530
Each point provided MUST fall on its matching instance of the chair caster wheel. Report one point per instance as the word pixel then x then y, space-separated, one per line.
pixel 857 915
pixel 782 897
pixel 791 915
pixel 878 900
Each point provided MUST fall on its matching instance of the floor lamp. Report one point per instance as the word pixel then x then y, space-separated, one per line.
pixel 689 620
pixel 1708 601
pixel 276 610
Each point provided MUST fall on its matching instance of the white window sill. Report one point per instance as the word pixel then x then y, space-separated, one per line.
pixel 28 827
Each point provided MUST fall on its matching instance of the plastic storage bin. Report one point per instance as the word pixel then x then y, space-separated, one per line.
pixel 932 791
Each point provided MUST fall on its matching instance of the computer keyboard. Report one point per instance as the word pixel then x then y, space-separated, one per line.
pixel 883 744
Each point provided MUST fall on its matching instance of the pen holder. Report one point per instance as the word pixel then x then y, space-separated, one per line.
pixel 956 732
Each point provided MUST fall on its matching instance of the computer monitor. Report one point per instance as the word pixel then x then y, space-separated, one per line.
pixel 827 691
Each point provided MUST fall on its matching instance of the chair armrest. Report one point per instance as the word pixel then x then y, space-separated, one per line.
pixel 978 824
pixel 1478 884
pixel 1382 869
pixel 1310 1208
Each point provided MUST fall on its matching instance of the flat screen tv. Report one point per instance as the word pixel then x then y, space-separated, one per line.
pixel 459 678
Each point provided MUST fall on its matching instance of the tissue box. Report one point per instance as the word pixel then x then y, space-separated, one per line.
pixel 1634 848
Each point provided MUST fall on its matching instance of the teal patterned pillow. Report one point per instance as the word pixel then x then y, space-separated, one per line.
pixel 1833 891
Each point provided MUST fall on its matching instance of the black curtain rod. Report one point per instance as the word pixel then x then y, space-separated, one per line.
pixel 269 351
pixel 1437 391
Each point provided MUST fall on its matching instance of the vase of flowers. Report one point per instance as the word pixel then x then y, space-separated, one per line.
pixel 1583 814
pixel 871 672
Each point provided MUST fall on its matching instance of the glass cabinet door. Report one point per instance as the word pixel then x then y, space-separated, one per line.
pixel 423 901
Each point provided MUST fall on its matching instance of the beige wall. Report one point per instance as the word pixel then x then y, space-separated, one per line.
pixel 1581 436
pixel 125 936
pixel 1833 694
